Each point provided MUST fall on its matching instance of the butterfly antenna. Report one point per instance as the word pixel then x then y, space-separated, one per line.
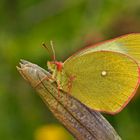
pixel 53 51
pixel 46 47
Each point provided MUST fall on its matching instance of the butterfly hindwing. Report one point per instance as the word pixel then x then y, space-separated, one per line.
pixel 104 80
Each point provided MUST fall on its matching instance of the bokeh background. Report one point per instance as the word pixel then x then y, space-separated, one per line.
pixel 71 24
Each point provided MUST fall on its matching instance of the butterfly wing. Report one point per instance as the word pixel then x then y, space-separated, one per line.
pixel 104 80
pixel 127 44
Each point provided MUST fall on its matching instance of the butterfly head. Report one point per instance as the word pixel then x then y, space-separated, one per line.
pixel 54 66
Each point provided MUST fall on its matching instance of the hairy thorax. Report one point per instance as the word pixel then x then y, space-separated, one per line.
pixel 58 74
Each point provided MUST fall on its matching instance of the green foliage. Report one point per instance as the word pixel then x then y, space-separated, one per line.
pixel 71 24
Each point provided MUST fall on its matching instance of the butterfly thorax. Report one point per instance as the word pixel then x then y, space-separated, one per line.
pixel 58 74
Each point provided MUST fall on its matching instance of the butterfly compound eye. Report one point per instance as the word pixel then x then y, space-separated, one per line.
pixel 59 65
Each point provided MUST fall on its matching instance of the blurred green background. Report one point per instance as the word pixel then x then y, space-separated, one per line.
pixel 71 24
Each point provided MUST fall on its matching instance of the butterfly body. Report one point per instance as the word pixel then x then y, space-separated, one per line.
pixel 58 73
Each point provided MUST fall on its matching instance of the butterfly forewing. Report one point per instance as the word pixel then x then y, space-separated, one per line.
pixel 127 44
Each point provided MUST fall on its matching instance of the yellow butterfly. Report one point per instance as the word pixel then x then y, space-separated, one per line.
pixel 104 76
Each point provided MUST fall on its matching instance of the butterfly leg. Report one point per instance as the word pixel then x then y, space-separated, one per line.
pixel 69 86
pixel 58 88
pixel 45 78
